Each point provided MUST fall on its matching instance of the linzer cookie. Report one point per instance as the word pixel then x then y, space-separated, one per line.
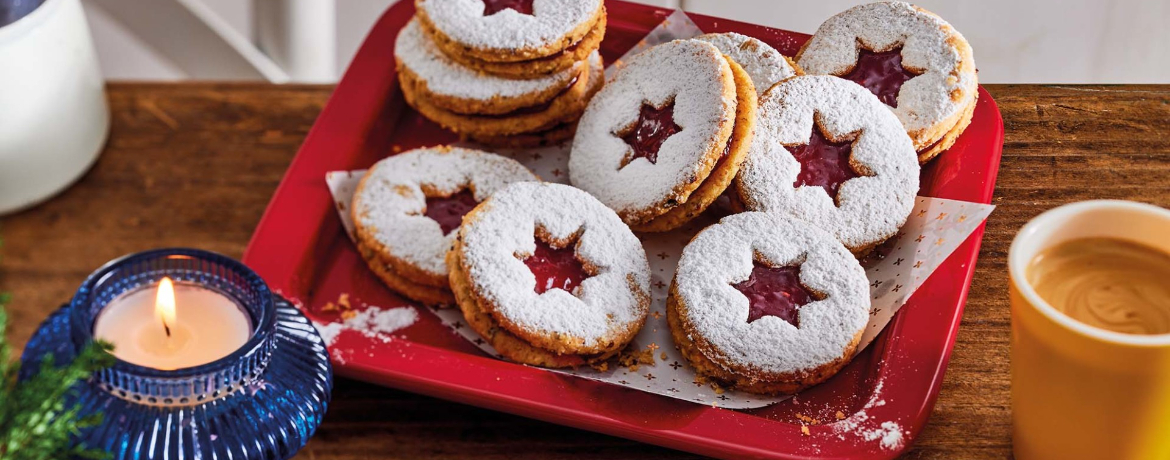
pixel 913 60
pixel 407 207
pixel 550 276
pixel 767 304
pixel 514 38
pixel 666 135
pixel 763 64
pixel 829 152
pixel 489 108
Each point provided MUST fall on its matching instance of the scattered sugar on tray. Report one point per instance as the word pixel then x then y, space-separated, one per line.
pixel 889 434
pixel 328 332
pixel 373 322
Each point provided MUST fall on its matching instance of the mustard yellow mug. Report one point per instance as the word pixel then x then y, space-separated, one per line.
pixel 1080 392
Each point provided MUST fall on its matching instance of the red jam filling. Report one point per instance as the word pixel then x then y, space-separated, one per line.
pixel 555 268
pixel 823 163
pixel 653 127
pixel 491 7
pixel 774 292
pixel 882 73
pixel 449 211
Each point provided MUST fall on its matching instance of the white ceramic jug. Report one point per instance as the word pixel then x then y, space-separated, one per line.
pixel 53 113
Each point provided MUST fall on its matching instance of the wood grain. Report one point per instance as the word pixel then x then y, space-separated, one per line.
pixel 195 164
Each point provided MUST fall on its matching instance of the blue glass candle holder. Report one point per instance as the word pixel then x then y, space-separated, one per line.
pixel 264 401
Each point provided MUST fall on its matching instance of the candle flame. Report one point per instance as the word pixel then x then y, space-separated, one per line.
pixel 164 304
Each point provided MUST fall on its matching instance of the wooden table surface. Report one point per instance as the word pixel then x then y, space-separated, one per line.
pixel 195 165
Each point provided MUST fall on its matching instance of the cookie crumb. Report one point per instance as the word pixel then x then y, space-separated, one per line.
pixel 804 430
pixel 348 314
pixel 632 359
pixel 663 356
pixel 840 415
pixel 600 367
pixel 807 420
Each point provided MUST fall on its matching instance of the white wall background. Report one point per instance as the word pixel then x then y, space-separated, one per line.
pixel 1015 41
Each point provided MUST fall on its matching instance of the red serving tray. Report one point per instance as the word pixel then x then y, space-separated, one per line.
pixel 302 251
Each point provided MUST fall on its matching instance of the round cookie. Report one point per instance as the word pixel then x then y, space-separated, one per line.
pixel 764 64
pixel 767 304
pixel 563 108
pixel 913 60
pixel 428 74
pixel 505 343
pixel 554 269
pixel 666 135
pixel 508 30
pixel 535 68
pixel 827 151
pixel 407 207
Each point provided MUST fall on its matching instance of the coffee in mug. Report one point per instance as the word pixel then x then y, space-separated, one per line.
pixel 1108 283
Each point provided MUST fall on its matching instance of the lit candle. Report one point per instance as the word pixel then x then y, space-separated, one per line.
pixel 173 327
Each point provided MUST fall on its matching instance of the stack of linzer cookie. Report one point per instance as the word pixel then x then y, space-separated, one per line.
pixel 503 72
pixel 818 155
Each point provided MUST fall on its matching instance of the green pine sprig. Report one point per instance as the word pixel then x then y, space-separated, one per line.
pixel 35 423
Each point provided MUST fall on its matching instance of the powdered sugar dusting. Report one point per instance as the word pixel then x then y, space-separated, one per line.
pixel 763 64
pixel 889 434
pixel 691 73
pixel 722 255
pixel 502 232
pixel 872 207
pixel 373 322
pixel 329 332
pixel 551 20
pixel 389 205
pixel 445 77
pixel 928 43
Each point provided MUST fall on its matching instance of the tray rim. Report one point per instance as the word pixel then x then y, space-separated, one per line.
pixel 425 373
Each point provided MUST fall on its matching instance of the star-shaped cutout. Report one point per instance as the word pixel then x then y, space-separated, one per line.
pixel 449 211
pixel 645 137
pixel 881 73
pixel 556 268
pixel 491 7
pixel 774 291
pixel 823 162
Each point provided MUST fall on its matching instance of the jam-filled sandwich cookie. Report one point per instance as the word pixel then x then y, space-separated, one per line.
pixel 550 276
pixel 666 135
pixel 763 64
pixel 407 208
pixel 485 107
pixel 913 60
pixel 767 304
pixel 514 38
pixel 829 152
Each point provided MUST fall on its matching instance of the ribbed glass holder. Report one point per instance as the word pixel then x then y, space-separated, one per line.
pixel 262 402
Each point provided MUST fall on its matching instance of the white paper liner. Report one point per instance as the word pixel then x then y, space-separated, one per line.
pixel 935 228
